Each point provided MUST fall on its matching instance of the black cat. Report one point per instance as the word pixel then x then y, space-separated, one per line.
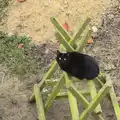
pixel 79 65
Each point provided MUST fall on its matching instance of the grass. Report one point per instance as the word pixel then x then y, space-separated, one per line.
pixel 20 61
pixel 3 5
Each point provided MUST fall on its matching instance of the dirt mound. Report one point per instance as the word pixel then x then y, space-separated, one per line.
pixel 107 45
pixel 32 17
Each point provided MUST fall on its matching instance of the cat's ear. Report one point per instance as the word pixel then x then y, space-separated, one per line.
pixel 58 52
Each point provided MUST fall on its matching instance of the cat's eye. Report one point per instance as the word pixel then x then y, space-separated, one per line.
pixel 59 58
pixel 64 58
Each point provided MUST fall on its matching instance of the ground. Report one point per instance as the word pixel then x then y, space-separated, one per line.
pixel 31 18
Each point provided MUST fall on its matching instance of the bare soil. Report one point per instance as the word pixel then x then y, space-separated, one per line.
pixel 32 18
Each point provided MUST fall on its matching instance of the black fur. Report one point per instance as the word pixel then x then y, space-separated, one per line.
pixel 79 65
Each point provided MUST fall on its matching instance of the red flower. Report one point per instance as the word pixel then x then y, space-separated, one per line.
pixel 65 25
pixel 90 41
pixel 20 45
pixel 21 0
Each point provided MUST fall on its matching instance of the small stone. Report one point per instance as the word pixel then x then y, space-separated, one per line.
pixel 108 67
pixel 65 6
pixel 65 2
pixel 111 16
pixel 14 102
pixel 46 51
pixel 61 9
pixel 94 28
pixel 118 100
pixel 94 36
pixel 10 34
pixel 69 13
pixel 44 90
pixel 38 29
pixel 27 36
pixel 46 4
pixel 77 10
pixel 14 32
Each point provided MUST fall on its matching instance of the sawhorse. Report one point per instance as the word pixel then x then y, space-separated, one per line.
pixel 77 43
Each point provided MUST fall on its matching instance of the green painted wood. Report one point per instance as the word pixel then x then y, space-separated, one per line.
pixel 54 93
pixel 72 100
pixel 39 103
pixel 103 91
